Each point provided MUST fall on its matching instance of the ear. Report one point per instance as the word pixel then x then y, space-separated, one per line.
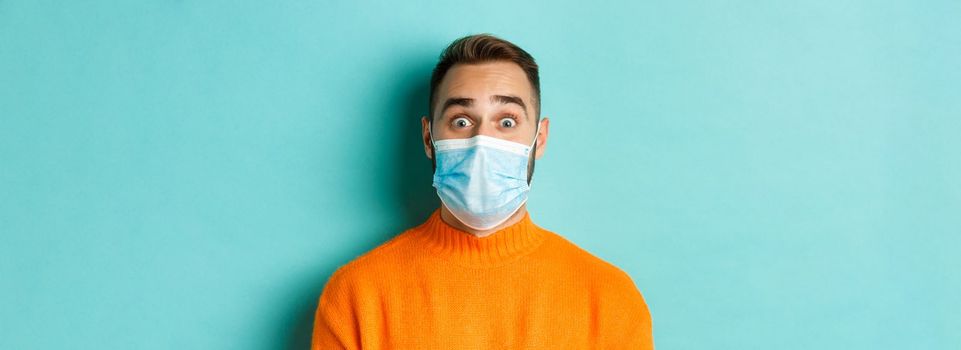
pixel 425 137
pixel 545 130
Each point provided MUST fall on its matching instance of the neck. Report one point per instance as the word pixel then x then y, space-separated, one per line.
pixel 450 219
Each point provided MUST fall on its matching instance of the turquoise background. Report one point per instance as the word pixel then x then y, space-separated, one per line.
pixel 187 174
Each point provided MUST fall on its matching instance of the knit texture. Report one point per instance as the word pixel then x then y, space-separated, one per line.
pixel 523 287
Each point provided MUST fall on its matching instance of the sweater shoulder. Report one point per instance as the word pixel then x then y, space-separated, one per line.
pixel 589 265
pixel 371 261
pixel 603 279
pixel 618 297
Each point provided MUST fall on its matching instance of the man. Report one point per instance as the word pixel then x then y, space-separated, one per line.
pixel 478 273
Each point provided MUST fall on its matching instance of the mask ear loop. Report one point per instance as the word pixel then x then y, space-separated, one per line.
pixel 433 147
pixel 430 131
pixel 537 132
pixel 530 160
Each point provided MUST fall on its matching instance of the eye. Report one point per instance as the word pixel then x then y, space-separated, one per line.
pixel 461 122
pixel 508 122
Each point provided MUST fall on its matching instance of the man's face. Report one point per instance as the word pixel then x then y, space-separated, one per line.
pixel 492 99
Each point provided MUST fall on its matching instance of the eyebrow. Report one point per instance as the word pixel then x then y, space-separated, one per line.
pixel 498 99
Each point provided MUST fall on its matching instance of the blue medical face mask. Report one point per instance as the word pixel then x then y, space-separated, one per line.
pixel 482 180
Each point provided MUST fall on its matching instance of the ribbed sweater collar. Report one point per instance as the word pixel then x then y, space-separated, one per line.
pixel 465 248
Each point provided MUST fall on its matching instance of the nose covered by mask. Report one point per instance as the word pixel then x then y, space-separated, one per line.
pixel 482 180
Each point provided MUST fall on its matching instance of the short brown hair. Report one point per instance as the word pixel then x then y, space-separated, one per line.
pixel 480 48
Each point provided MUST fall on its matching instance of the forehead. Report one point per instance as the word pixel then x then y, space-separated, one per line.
pixel 483 79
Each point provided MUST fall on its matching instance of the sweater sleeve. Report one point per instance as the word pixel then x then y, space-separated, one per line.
pixel 632 326
pixel 335 323
pixel 639 329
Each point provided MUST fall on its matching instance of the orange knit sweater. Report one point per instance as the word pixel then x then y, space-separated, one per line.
pixel 522 287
